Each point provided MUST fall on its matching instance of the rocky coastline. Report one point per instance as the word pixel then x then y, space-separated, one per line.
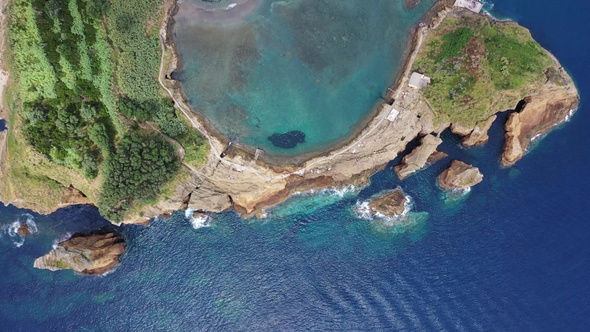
pixel 251 185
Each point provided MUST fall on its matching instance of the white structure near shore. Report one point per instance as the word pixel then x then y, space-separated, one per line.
pixel 418 81
pixel 473 5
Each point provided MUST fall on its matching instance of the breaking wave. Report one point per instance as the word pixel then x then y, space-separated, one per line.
pixel 199 221
pixel 363 211
pixel 310 200
pixel 397 224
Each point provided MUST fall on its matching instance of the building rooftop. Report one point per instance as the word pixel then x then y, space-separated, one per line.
pixel 418 81
pixel 473 5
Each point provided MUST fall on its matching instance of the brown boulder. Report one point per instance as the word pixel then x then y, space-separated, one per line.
pixel 92 254
pixel 23 230
pixel 459 176
pixel 390 205
pixel 421 157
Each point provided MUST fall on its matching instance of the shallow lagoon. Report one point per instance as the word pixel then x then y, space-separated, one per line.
pixel 254 68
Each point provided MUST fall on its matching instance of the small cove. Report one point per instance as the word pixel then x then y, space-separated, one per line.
pixel 258 68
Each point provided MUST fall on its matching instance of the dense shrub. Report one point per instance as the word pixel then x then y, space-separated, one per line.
pixel 454 42
pixel 136 172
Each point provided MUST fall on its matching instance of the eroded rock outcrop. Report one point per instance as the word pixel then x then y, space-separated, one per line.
pixel 421 157
pixel 459 176
pixel 390 205
pixel 92 254
pixel 541 113
pixel 479 134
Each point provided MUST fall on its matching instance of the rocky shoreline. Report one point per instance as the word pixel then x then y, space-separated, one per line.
pixel 251 185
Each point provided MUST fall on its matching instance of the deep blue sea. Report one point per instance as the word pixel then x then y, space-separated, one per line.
pixel 513 255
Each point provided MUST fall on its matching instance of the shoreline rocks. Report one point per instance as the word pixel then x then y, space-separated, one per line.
pixel 93 254
pixel 459 176
pixel 421 157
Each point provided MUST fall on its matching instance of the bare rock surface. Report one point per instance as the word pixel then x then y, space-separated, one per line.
pixel 419 157
pixel 459 176
pixel 92 254
pixel 390 205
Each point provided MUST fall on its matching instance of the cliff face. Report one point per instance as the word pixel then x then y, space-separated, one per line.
pixel 93 254
pixel 541 113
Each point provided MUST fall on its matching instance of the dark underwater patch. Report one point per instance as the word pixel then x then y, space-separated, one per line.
pixel 287 140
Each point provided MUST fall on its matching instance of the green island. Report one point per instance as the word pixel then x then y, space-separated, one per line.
pixel 88 105
pixel 478 67
pixel 96 119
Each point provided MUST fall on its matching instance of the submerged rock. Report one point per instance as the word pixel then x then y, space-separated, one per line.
pixel 421 157
pixel 92 254
pixel 287 140
pixel 459 176
pixel 390 205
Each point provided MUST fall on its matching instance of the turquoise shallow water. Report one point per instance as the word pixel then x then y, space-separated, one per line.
pixel 318 67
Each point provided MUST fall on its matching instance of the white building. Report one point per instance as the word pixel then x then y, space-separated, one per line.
pixel 473 5
pixel 418 81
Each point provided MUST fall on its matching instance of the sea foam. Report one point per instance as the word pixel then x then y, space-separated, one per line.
pixel 203 220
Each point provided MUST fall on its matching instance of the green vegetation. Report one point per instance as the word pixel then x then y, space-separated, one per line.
pixel 87 74
pixel 136 172
pixel 474 63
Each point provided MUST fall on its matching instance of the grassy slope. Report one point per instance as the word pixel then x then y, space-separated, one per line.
pixel 479 67
pixel 131 27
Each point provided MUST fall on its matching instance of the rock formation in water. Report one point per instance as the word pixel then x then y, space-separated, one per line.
pixel 459 176
pixel 540 114
pixel 390 205
pixel 421 157
pixel 92 254
pixel 23 230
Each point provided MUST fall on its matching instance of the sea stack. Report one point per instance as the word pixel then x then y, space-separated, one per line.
pixel 459 176
pixel 92 254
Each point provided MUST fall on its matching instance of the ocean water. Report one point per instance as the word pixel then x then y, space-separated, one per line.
pixel 511 255
pixel 274 67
